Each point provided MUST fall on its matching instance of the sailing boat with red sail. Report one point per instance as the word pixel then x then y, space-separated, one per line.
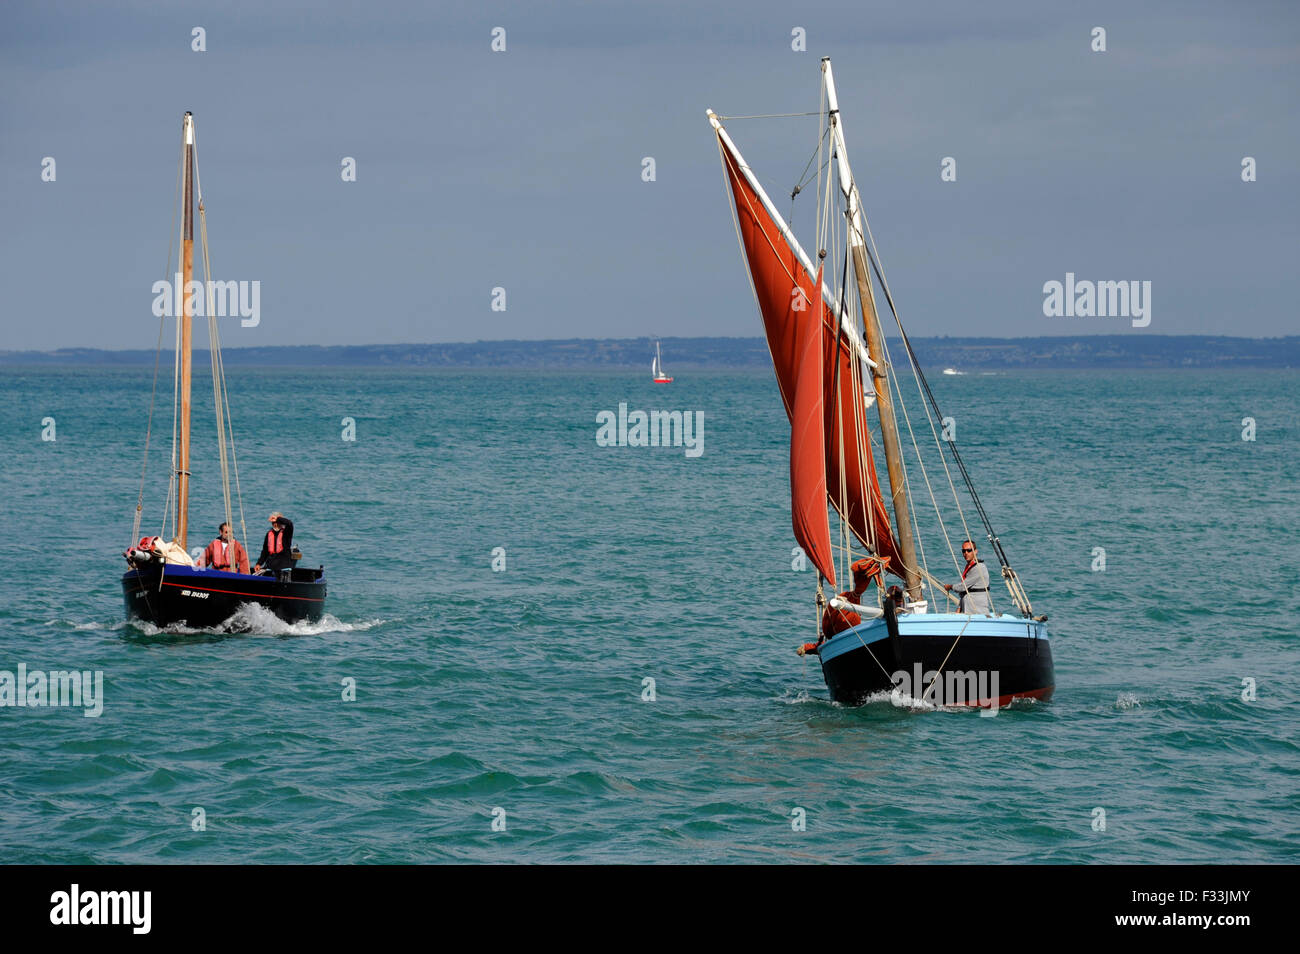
pixel 832 365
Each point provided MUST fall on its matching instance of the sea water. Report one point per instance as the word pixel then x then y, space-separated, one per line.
pixel 539 648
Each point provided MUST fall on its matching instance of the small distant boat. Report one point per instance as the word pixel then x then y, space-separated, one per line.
pixel 952 371
pixel 162 585
pixel 828 347
pixel 658 368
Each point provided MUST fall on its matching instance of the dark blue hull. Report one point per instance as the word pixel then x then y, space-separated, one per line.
pixel 165 595
pixel 979 660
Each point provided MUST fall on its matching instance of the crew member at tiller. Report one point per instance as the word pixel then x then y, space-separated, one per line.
pixel 835 620
pixel 277 546
pixel 974 583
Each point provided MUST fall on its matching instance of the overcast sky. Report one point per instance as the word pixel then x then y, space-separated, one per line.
pixel 523 168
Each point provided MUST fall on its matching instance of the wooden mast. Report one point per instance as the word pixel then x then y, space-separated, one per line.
pixel 185 318
pixel 875 348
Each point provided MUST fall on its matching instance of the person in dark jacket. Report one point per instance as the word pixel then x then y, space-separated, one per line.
pixel 277 546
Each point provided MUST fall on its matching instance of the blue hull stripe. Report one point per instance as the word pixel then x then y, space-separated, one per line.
pixel 950 625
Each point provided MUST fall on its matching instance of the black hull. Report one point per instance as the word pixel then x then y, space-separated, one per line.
pixel 977 670
pixel 207 598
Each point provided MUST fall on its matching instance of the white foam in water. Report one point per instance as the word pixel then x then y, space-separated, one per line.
pixel 85 626
pixel 901 699
pixel 799 698
pixel 904 700
pixel 1128 700
pixel 255 619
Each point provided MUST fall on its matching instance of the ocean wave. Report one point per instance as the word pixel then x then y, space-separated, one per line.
pixel 81 627
pixel 800 697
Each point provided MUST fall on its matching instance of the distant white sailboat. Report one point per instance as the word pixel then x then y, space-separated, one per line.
pixel 658 369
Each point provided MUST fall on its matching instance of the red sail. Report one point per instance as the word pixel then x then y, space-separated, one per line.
pixel 779 281
pixel 808 442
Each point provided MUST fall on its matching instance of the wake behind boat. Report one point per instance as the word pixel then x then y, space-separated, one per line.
pixel 163 585
pixel 829 353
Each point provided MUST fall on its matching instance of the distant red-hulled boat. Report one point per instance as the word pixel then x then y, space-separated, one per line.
pixel 658 368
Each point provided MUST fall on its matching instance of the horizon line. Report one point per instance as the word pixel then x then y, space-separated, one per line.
pixel 502 341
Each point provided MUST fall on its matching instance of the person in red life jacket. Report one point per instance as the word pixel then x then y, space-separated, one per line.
pixel 225 553
pixel 835 620
pixel 974 583
pixel 277 546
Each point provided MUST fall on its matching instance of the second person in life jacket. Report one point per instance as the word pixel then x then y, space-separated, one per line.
pixel 225 553
pixel 277 546
pixel 974 583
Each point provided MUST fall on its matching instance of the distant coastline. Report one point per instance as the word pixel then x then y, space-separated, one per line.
pixel 935 354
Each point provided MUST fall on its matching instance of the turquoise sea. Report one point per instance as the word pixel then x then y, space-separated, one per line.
pixel 524 690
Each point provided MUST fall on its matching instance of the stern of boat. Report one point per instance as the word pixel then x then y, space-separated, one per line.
pixel 943 659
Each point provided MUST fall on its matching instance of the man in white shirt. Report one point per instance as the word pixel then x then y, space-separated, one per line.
pixel 974 583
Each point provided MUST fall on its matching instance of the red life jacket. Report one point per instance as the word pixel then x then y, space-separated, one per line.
pixel 274 541
pixel 968 566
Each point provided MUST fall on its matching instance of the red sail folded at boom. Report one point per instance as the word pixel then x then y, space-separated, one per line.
pixel 808 444
pixel 779 282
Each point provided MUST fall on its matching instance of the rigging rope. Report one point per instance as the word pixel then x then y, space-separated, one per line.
pixel 1018 595
pixel 925 475
pixel 176 403
pixel 214 343
pixel 220 392
pixel 767 116
pixel 1014 587
pixel 157 358
pixel 939 671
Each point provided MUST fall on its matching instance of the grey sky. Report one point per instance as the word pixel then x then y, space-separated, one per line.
pixel 522 169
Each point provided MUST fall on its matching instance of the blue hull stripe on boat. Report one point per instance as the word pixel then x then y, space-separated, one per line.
pixel 931 624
